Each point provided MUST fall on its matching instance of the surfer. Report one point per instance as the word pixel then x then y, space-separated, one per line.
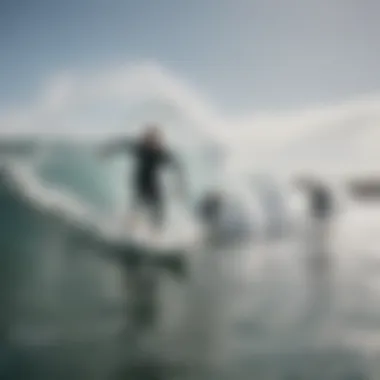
pixel 210 207
pixel 224 218
pixel 321 209
pixel 151 156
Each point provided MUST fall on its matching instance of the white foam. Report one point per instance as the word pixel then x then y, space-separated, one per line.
pixel 21 180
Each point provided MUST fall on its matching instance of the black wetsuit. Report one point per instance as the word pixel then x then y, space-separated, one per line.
pixel 146 185
pixel 148 189
pixel 210 208
pixel 321 203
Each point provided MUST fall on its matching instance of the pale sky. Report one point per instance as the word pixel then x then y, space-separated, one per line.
pixel 273 78
pixel 244 54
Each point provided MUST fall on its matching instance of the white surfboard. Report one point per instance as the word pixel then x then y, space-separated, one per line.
pixel 181 236
pixel 175 237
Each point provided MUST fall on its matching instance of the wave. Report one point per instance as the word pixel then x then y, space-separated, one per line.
pixel 57 276
pixel 61 255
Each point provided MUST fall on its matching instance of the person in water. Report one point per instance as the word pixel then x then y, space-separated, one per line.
pixel 151 157
pixel 321 211
pixel 210 208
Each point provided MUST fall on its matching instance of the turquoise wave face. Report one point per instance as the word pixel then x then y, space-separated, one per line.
pixel 103 185
pixel 76 169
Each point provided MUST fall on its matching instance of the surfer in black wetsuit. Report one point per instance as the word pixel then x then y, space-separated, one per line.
pixel 151 156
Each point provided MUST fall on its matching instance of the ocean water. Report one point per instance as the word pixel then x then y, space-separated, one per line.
pixel 257 310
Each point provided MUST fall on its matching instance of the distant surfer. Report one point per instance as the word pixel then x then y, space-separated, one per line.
pixel 224 218
pixel 320 202
pixel 210 208
pixel 151 156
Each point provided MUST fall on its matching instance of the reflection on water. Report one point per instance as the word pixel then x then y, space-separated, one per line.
pixel 260 311
pixel 243 315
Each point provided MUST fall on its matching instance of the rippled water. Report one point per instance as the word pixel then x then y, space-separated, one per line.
pixel 253 313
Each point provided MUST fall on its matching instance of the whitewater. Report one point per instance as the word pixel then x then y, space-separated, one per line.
pixel 243 311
